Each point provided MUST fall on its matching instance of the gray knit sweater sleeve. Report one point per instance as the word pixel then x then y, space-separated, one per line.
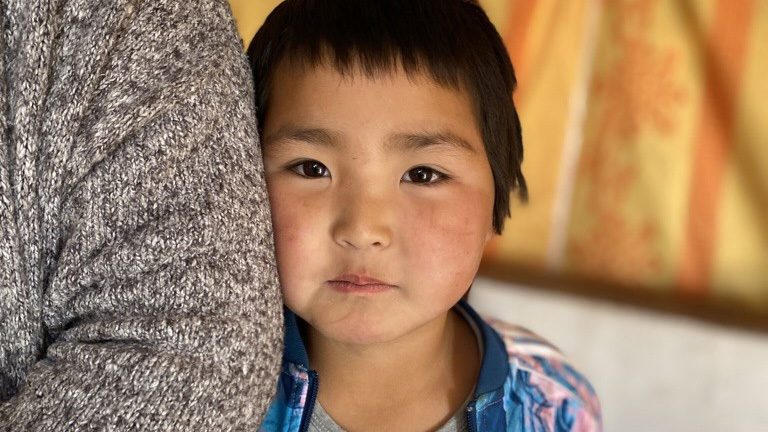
pixel 138 289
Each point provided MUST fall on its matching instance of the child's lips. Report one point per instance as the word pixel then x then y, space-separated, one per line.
pixel 355 283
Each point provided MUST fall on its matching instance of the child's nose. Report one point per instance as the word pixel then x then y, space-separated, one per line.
pixel 363 221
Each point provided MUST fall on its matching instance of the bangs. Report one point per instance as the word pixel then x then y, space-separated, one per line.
pixel 373 37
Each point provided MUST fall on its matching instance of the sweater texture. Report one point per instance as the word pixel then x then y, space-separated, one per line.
pixel 138 286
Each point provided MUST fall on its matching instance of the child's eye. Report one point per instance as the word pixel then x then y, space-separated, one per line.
pixel 423 175
pixel 310 169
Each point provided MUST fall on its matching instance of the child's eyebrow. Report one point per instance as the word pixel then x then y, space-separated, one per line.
pixel 418 141
pixel 319 136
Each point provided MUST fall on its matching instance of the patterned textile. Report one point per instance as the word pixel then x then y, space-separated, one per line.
pixel 645 152
pixel 547 381
pixel 645 145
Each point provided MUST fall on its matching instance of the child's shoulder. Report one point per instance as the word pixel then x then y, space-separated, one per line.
pixel 543 367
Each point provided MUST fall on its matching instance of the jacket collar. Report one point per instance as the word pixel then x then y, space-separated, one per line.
pixel 493 369
pixel 495 362
pixel 295 350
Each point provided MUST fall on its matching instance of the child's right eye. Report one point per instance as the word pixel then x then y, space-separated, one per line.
pixel 310 169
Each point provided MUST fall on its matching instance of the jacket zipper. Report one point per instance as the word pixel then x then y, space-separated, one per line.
pixel 471 416
pixel 309 405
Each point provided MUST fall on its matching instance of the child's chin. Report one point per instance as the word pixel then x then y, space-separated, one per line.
pixel 361 334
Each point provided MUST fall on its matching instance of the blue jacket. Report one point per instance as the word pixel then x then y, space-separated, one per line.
pixel 524 384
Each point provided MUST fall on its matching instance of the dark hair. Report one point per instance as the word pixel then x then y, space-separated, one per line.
pixel 453 41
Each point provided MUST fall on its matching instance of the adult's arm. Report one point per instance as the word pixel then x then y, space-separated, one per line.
pixel 159 300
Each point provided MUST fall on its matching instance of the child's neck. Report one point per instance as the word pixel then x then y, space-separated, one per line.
pixel 413 383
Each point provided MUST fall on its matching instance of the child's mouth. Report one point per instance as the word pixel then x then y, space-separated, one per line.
pixel 353 283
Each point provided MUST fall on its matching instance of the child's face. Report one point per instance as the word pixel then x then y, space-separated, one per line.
pixel 385 178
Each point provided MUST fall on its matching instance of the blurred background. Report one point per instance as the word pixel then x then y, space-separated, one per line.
pixel 643 252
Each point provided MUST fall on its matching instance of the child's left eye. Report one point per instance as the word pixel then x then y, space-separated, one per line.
pixel 423 175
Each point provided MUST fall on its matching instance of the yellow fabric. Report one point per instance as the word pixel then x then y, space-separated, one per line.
pixel 662 78
pixel 645 137
pixel 545 84
pixel 249 15
pixel 741 268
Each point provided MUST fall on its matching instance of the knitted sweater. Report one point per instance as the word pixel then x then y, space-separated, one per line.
pixel 138 288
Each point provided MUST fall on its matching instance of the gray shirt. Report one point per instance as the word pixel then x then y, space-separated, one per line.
pixel 322 422
pixel 138 288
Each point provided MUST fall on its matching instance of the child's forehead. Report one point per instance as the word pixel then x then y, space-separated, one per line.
pixel 324 103
pixel 355 67
pixel 327 86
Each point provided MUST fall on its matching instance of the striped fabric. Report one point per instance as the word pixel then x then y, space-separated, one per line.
pixel 645 142
pixel 546 371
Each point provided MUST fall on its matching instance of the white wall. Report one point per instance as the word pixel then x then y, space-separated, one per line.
pixel 652 371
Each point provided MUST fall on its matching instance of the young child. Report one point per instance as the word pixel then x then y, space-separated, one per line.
pixel 391 144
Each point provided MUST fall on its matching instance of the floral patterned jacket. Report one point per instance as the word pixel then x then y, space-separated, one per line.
pixel 524 385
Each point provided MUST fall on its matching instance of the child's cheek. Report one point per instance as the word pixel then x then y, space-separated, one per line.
pixel 445 241
pixel 294 233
